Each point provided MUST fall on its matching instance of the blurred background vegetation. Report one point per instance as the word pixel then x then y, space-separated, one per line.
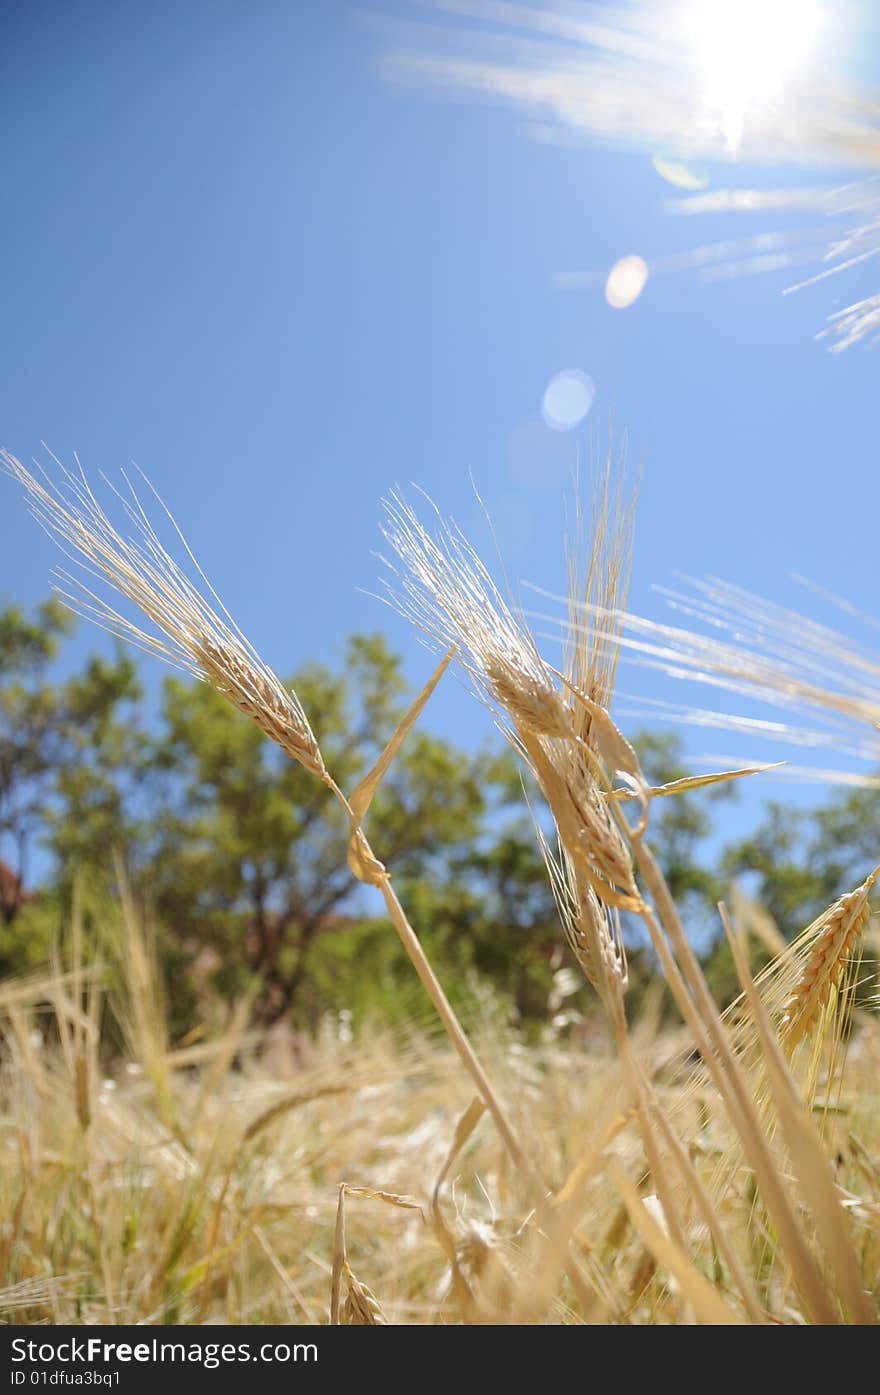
pixel 237 857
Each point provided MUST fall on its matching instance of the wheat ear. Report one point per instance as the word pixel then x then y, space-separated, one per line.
pixel 361 1307
pixel 445 589
pixel 249 691
pixel 188 632
pixel 836 937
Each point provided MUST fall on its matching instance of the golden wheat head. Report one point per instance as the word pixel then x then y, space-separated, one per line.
pixel 835 938
pixel 444 588
pixel 187 631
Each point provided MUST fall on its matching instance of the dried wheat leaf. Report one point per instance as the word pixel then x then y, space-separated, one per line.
pixel 362 861
pixel 361 1308
pixel 362 797
pixel 591 1159
pixel 405 1203
pixel 339 1257
pixel 617 753
pixel 698 782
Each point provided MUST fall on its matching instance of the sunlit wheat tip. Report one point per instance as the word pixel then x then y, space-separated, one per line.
pixel 444 588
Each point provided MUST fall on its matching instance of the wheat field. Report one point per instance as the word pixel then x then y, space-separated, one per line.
pixel 201 1185
pixel 723 1172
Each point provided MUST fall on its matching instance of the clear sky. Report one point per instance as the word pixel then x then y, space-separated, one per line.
pixel 234 253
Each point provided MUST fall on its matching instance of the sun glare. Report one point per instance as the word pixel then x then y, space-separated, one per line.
pixel 747 50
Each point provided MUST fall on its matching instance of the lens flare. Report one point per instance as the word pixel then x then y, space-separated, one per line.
pixel 567 399
pixel 626 281
pixel 747 50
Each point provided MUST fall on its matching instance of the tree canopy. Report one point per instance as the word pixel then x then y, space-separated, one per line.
pixel 238 855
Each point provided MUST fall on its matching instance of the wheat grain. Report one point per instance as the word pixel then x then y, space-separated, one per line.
pixel 530 704
pixel 193 637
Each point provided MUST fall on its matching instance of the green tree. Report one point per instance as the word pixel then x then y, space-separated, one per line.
pixel 799 861
pixel 248 860
pixel 64 753
pixel 493 914
pixel 101 767
pixel 30 726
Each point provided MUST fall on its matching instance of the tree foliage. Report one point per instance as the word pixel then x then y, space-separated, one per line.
pixel 239 854
pixel 69 749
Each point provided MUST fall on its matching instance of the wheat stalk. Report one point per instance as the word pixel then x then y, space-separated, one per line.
pixel 574 770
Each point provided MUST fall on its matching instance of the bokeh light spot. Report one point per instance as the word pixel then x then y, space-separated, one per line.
pixel 626 281
pixel 568 398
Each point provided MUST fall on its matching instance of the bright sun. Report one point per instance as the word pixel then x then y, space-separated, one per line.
pixel 746 50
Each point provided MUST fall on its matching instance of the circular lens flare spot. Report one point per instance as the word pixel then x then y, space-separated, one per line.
pixel 567 399
pixel 626 281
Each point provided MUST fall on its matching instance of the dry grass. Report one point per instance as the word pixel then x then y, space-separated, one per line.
pixel 202 1185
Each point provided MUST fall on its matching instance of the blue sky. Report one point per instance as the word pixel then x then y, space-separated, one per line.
pixel 236 255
